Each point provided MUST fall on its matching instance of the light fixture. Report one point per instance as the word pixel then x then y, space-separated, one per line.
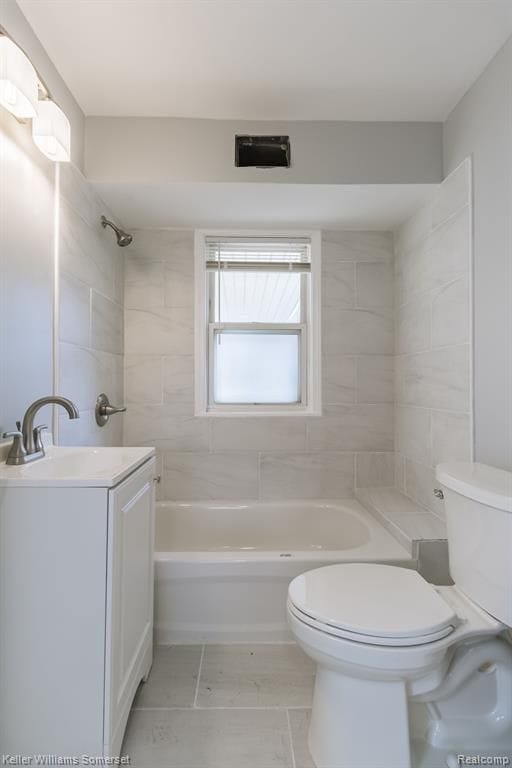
pixel 51 131
pixel 24 93
pixel 18 80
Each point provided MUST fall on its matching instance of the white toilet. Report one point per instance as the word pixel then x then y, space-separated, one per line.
pixel 384 638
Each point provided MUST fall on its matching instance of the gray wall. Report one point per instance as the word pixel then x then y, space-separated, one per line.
pixel 481 126
pixel 247 458
pixel 155 150
pixel 26 271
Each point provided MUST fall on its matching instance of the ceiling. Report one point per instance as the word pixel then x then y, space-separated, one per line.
pixel 270 59
pixel 322 206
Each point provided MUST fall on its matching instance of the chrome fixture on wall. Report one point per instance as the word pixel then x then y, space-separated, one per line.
pixel 123 238
pixel 27 444
pixel 104 410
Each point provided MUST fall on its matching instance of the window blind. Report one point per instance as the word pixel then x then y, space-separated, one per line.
pixel 265 254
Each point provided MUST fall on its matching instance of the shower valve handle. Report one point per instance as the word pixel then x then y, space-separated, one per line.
pixel 104 410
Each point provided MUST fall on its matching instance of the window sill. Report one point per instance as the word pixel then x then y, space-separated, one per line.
pixel 258 414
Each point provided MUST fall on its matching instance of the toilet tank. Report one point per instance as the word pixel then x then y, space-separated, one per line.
pixel 478 506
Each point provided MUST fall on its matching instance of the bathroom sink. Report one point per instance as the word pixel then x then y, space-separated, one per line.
pixel 79 467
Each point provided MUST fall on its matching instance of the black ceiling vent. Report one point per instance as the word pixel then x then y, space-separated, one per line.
pixel 262 151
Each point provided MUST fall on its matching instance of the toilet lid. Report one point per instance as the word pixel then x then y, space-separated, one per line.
pixel 375 600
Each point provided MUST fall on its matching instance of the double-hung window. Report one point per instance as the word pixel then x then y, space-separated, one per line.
pixel 257 346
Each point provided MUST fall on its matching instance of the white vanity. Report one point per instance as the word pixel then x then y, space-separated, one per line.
pixel 76 598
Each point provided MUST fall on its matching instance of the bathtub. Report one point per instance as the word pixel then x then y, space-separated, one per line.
pixel 222 569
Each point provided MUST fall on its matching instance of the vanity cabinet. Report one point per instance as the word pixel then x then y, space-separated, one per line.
pixel 76 611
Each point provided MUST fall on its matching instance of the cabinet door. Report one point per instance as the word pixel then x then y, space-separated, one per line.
pixel 129 597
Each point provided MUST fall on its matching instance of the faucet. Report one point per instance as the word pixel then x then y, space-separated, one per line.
pixel 27 443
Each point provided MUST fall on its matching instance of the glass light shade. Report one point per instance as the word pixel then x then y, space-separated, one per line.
pixel 18 80
pixel 51 132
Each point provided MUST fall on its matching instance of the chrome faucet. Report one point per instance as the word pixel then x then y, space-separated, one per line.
pixel 27 444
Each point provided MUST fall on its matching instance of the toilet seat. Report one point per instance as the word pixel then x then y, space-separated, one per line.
pixel 372 604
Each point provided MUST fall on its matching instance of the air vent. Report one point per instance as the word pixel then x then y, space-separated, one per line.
pixel 262 151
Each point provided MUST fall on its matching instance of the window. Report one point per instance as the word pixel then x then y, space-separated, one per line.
pixel 257 348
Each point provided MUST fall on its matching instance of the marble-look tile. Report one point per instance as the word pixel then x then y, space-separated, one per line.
pixel 202 738
pixel 74 311
pixel 413 325
pixel 86 252
pixel 412 433
pixel 179 284
pixel 178 378
pixel 442 258
pixel 357 246
pixel 436 379
pixel 210 476
pixel 454 193
pixel 173 678
pixel 338 379
pixel 405 519
pixel 420 482
pixel 338 279
pixel 399 471
pixel 375 379
pixel 324 475
pixel 374 285
pixel 413 231
pixel 163 244
pixel 451 437
pixel 375 469
pixel 451 320
pixel 143 379
pixel 80 195
pixel 258 434
pixel 85 431
pixel 84 373
pixel 159 425
pixel 107 324
pixel 144 284
pixel 162 331
pixel 255 676
pixel 347 331
pixel 299 728
pixel 352 427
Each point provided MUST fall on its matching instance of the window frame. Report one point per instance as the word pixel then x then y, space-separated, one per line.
pixel 309 329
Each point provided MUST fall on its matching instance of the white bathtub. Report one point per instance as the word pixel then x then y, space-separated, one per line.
pixel 222 569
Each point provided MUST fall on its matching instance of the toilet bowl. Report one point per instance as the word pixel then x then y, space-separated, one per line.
pixel 384 638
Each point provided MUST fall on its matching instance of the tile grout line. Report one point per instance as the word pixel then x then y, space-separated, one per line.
pixel 292 751
pixel 194 705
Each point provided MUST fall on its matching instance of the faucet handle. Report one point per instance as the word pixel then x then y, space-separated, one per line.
pixel 16 433
pixel 17 452
pixel 38 440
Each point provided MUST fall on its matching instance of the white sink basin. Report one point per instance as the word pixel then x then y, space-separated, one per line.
pixel 78 467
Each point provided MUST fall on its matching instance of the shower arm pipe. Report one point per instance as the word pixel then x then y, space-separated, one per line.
pixel 44 91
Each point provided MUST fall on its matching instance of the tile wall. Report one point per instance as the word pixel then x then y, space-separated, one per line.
pixel 91 336
pixel 433 339
pixel 266 458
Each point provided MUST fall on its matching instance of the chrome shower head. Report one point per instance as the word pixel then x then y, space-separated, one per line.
pixel 123 238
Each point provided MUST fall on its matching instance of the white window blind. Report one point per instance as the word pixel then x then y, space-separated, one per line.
pixel 259 254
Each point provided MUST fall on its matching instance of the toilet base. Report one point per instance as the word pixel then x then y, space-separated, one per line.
pixel 357 723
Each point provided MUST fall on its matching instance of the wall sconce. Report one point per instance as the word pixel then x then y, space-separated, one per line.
pixel 51 131
pixel 18 80
pixel 24 93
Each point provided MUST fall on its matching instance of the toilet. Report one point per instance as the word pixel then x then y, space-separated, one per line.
pixel 385 640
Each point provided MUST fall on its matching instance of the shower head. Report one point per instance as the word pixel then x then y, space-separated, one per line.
pixel 123 238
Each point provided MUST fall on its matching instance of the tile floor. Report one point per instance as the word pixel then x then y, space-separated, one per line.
pixel 223 706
